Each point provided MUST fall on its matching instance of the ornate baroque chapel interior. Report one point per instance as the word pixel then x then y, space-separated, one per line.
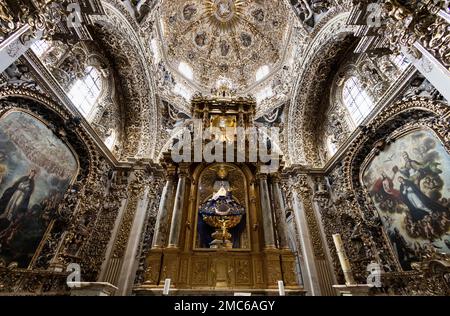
pixel 114 116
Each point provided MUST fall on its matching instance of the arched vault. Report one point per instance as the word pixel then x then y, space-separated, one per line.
pixel 326 50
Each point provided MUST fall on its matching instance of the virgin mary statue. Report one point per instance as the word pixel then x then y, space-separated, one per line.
pixel 220 205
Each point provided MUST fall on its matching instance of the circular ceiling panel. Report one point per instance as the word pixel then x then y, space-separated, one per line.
pixel 224 38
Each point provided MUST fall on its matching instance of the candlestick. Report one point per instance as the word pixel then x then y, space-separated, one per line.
pixel 343 259
pixel 281 289
pixel 166 287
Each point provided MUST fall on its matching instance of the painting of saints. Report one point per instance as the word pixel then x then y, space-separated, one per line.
pixel 409 184
pixel 3 168
pixel 35 174
pixel 411 168
pixel 384 190
pixel 419 204
pixel 15 200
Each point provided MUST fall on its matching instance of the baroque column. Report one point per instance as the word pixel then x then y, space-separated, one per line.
pixel 175 227
pixel 280 213
pixel 124 245
pixel 311 282
pixel 266 211
pixel 318 277
pixel 164 211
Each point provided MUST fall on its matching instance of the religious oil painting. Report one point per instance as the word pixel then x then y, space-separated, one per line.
pixel 409 183
pixel 36 169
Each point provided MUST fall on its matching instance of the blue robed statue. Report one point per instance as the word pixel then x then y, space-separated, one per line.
pixel 221 219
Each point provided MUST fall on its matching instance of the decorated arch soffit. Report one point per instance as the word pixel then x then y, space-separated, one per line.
pixel 328 42
pixel 120 35
pixel 224 41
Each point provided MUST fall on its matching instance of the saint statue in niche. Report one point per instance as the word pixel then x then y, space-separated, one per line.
pixel 227 126
pixel 221 220
pixel 201 39
pixel 258 15
pixel 189 11
pixel 224 48
pixel 246 40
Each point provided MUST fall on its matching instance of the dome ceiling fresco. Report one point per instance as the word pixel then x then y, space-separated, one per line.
pixel 224 41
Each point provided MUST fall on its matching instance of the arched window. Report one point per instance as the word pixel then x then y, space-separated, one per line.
pixel 400 61
pixel 155 50
pixel 186 70
pixel 84 92
pixel 181 90
pixel 263 94
pixel 262 72
pixel 40 47
pixel 331 145
pixel 111 139
pixel 356 100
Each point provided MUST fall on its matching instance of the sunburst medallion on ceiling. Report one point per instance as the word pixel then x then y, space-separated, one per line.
pixel 224 14
pixel 224 39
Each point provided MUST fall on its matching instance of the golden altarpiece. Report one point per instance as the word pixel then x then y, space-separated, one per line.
pixel 221 226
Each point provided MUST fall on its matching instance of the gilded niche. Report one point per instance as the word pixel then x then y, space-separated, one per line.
pixel 222 212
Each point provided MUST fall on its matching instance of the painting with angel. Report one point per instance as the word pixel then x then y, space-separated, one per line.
pixel 409 183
